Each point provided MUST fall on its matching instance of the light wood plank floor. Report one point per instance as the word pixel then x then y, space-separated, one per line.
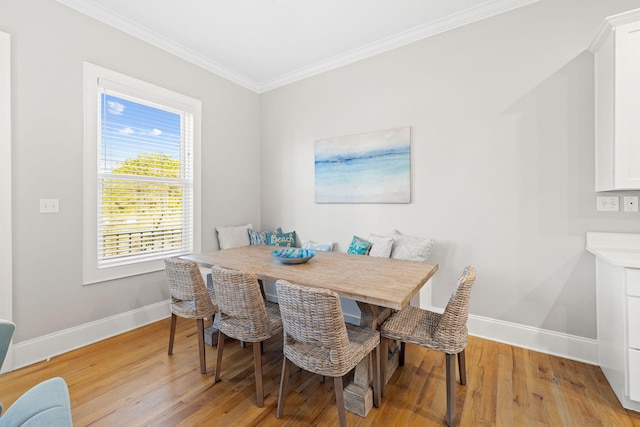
pixel 129 380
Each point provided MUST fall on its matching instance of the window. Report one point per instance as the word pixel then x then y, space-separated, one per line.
pixel 141 175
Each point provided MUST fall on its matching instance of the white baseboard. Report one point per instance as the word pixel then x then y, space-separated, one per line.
pixel 42 348
pixel 541 340
pixel 544 341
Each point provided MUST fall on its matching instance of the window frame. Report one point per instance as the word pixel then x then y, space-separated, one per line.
pixel 96 77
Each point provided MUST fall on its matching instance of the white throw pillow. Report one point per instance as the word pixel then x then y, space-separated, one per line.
pixel 326 247
pixel 411 248
pixel 234 236
pixel 380 246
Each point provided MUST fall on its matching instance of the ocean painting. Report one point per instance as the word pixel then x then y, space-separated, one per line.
pixel 373 167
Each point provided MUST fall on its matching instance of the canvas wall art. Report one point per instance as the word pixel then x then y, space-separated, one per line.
pixel 372 167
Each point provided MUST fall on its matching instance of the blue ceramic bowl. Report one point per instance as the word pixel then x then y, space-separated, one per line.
pixel 293 255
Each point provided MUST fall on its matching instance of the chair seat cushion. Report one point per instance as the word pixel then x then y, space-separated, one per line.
pixel 321 361
pixel 46 404
pixel 417 326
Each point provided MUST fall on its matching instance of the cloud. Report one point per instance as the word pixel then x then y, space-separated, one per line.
pixel 152 132
pixel 115 108
pixel 128 131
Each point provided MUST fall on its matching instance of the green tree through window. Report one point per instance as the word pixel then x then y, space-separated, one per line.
pixel 142 216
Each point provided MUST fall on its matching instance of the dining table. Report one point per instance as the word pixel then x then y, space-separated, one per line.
pixel 378 286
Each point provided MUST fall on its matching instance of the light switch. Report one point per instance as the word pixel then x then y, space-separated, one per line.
pixel 49 206
pixel 608 203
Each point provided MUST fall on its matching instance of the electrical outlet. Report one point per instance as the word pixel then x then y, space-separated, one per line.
pixel 631 203
pixel 49 206
pixel 608 203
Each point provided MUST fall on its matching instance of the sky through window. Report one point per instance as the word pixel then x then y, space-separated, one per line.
pixel 131 128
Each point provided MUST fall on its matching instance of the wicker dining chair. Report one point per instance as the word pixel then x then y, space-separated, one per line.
pixel 445 332
pixel 190 298
pixel 245 316
pixel 317 340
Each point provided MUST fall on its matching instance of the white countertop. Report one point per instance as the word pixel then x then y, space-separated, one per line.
pixel 620 249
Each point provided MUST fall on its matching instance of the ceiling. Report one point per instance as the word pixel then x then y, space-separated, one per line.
pixel 265 44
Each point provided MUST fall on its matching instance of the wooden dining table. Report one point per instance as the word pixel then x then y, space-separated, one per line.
pixel 377 285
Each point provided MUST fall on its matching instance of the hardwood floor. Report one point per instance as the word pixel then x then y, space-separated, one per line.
pixel 129 380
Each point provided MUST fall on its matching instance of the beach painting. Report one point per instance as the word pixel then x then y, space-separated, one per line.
pixel 373 167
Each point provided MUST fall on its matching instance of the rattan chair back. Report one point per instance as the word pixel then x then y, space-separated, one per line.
pixel 452 327
pixel 243 314
pixel 190 297
pixel 313 316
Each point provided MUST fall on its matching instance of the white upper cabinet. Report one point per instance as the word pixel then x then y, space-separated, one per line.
pixel 617 90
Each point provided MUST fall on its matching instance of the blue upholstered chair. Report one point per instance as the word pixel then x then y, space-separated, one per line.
pixel 6 332
pixel 44 405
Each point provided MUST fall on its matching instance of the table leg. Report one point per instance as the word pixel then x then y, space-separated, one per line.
pixel 358 394
pixel 389 360
pixel 211 333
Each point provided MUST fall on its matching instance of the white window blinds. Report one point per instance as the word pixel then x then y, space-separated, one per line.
pixel 141 175
pixel 145 177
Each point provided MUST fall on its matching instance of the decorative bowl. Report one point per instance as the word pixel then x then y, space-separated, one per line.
pixel 293 255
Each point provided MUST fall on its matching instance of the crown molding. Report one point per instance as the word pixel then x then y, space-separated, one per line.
pixel 609 24
pixel 125 25
pixel 468 16
pixel 404 38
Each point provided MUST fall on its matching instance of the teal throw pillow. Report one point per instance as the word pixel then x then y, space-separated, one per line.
pixel 359 246
pixel 282 239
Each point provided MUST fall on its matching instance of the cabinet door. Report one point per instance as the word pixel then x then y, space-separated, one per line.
pixel 634 375
pixel 627 105
pixel 633 322
pixel 633 282
pixel 604 115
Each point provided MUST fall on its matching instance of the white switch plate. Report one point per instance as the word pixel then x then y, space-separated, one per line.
pixel 49 205
pixel 631 203
pixel 608 203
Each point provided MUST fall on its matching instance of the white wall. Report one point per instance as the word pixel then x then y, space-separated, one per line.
pixel 501 115
pixel 502 160
pixel 49 44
